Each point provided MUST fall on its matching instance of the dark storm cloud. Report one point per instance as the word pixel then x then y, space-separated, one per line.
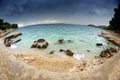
pixel 33 10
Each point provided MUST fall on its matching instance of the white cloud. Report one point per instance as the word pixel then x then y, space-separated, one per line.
pixel 48 21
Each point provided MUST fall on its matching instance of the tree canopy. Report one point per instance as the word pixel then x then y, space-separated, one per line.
pixel 7 25
pixel 114 24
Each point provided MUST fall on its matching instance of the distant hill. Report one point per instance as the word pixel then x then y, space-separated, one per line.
pixel 100 26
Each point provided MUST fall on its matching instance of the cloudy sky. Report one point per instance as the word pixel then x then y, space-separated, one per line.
pixel 26 12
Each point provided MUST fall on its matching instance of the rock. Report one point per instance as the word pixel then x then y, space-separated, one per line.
pixel 61 41
pixel 100 35
pixel 40 43
pixel 7 44
pixel 16 41
pixel 8 40
pixel 41 40
pixel 106 54
pixel 69 53
pixel 99 44
pixel 35 44
pixel 61 50
pixel 113 50
pixel 88 50
pixel 52 52
pixel 39 47
pixel 14 35
pixel 44 46
pixel 69 41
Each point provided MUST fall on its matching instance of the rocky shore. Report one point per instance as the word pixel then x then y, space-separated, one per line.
pixel 37 66
pixel 112 36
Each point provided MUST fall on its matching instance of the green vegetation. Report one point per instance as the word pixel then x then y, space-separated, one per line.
pixel 115 22
pixel 6 25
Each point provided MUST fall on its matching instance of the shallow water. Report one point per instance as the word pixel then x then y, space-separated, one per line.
pixel 84 38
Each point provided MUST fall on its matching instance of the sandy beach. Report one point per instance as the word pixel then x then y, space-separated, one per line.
pixel 33 66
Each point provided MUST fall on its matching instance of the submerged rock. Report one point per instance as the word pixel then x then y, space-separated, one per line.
pixel 61 50
pixel 52 52
pixel 69 53
pixel 16 41
pixel 99 44
pixel 61 41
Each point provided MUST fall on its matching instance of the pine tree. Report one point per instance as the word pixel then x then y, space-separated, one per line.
pixel 115 22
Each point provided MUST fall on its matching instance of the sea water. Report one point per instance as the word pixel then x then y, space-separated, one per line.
pixel 84 38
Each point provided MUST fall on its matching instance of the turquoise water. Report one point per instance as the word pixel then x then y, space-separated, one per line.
pixel 84 38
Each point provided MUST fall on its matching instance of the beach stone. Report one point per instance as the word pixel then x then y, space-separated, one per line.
pixel 69 53
pixel 61 41
pixel 52 52
pixel 99 44
pixel 61 50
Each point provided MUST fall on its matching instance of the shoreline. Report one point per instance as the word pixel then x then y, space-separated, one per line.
pixel 3 33
pixel 112 36
pixel 55 66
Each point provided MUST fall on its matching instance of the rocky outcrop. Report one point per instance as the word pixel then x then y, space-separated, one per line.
pixel 112 36
pixel 108 53
pixel 10 39
pixel 40 44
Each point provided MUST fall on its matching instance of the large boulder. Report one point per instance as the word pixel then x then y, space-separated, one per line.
pixel 40 44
